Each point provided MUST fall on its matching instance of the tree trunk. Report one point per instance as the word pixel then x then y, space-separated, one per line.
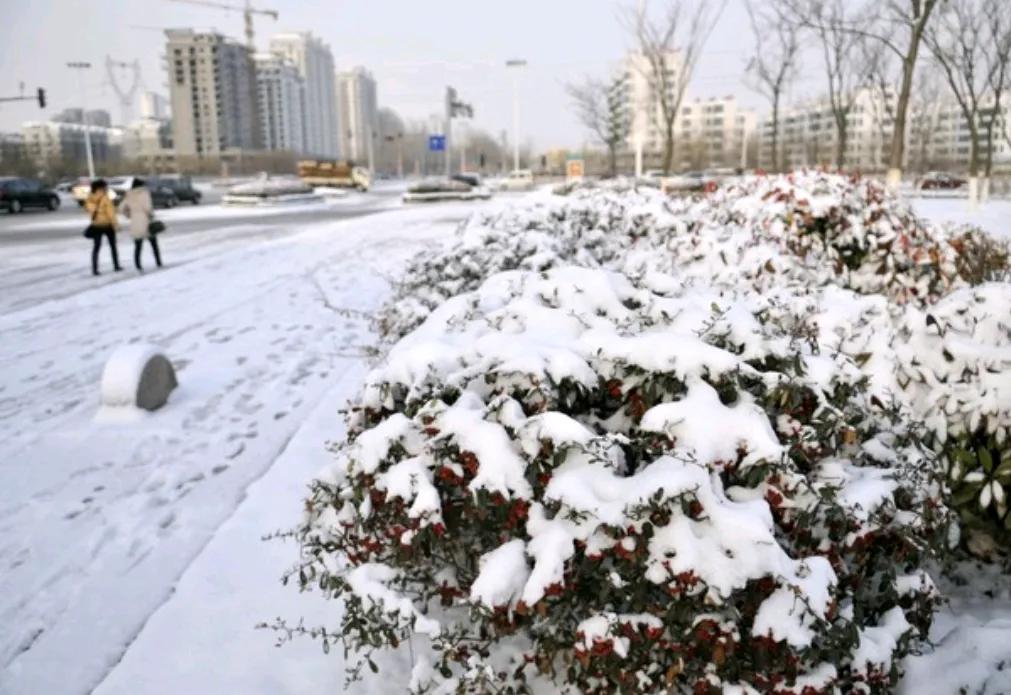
pixel 775 132
pixel 840 150
pixel 973 163
pixel 612 153
pixel 668 150
pixel 905 89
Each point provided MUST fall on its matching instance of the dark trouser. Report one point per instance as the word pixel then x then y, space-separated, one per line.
pixel 138 245
pixel 110 234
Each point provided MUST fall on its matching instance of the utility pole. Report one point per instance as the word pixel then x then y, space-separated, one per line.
pixel 450 100
pixel 400 155
pixel 454 107
pixel 371 151
pixel 516 63
pixel 640 122
pixel 84 109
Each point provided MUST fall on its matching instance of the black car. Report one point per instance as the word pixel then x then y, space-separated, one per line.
pixel 471 180
pixel 18 194
pixel 182 187
pixel 162 196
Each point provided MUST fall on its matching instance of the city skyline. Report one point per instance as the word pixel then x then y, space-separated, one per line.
pixel 411 62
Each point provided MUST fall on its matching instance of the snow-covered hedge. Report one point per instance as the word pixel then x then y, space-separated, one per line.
pixel 567 477
pixel 954 364
pixel 807 229
pixel 591 232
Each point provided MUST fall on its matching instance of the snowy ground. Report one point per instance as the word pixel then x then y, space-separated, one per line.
pixel 131 558
pixel 972 634
pixel 99 521
pixel 993 216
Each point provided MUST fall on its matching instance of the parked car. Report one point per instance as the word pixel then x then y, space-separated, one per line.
pixel 519 180
pixel 939 180
pixel 19 194
pixel 468 177
pixel 183 188
pixel 437 189
pixel 162 196
pixel 687 182
pixel 652 177
pixel 82 190
pixel 67 186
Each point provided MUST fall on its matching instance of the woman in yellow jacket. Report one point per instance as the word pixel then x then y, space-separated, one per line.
pixel 103 222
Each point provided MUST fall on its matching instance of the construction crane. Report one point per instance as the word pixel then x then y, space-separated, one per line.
pixel 247 10
pixel 126 95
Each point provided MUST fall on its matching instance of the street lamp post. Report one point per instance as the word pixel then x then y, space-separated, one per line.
pixel 84 117
pixel 516 63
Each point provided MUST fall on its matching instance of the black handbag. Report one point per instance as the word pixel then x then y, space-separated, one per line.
pixel 155 226
pixel 91 231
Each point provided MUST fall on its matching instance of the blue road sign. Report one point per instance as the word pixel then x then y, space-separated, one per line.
pixel 436 143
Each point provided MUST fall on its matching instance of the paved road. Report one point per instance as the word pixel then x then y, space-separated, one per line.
pixel 43 256
pixel 34 227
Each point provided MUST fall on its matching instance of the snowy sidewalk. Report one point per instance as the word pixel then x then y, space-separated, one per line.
pixel 98 521
pixel 202 639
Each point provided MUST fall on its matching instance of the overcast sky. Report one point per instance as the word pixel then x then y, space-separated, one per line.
pixel 413 47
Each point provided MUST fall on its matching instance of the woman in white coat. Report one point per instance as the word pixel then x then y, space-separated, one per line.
pixel 139 209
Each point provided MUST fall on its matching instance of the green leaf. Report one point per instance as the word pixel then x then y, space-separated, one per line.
pixel 986 459
pixel 966 494
pixel 968 460
pixel 1003 472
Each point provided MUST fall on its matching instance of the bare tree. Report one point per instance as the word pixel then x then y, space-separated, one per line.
pixel 899 26
pixel 774 64
pixel 997 38
pixel 879 67
pixel 844 69
pixel 958 42
pixel 602 108
pixel 669 50
pixel 924 119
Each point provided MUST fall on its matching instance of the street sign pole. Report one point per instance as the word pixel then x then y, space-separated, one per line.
pixel 516 63
pixel 449 125
pixel 84 119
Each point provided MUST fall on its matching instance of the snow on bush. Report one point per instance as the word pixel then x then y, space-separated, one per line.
pixel 954 362
pixel 590 232
pixel 567 477
pixel 808 229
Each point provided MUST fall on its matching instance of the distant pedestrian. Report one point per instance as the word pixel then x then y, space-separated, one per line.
pixel 103 222
pixel 137 206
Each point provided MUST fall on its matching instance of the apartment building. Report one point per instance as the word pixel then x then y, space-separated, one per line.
pixel 809 135
pixel 937 135
pixel 320 120
pixel 281 101
pixel 714 132
pixel 359 114
pixel 212 86
pixel 52 140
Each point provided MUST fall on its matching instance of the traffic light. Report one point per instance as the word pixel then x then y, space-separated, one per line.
pixel 42 98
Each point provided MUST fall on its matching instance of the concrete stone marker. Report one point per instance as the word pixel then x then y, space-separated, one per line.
pixel 137 375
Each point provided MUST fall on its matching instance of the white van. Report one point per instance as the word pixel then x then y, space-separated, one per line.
pixel 519 180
